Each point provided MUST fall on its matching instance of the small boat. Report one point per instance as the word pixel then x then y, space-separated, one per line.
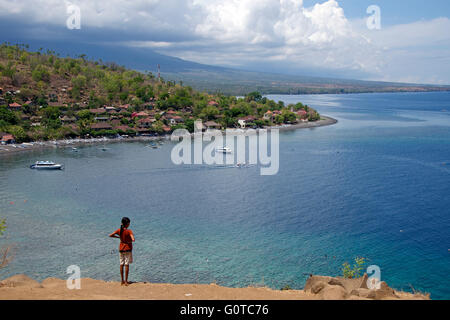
pixel 223 150
pixel 46 165
pixel 75 149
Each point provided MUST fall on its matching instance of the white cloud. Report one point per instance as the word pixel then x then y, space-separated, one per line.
pixel 243 32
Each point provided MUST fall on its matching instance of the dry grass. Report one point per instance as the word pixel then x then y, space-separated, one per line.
pixel 5 256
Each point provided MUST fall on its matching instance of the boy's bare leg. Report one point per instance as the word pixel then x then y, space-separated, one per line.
pixel 121 274
pixel 127 269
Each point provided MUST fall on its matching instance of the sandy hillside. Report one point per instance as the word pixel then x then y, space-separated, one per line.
pixel 317 288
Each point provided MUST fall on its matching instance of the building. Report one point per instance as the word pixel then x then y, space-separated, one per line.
pixel 212 125
pixel 14 106
pixel 125 129
pixel 7 138
pixel 67 119
pixel 146 122
pixel 175 119
pixel 101 126
pixel 243 122
pixel 268 115
pixel 302 114
pixel 140 114
pixel 101 119
pixel 98 111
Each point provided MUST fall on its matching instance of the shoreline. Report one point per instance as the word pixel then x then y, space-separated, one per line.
pixel 21 287
pixel 43 145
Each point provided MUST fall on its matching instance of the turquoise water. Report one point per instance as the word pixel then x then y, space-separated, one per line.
pixel 376 184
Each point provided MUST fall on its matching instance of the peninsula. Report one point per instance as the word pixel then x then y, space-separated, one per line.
pixel 46 97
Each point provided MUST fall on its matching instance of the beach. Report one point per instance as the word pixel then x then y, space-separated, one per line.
pixel 40 145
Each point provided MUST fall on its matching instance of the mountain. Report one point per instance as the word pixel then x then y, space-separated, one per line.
pixel 230 81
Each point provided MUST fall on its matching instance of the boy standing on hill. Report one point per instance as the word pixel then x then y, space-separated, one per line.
pixel 125 248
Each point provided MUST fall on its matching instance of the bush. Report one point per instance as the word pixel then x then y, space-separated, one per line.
pixel 286 288
pixel 40 73
pixel 8 116
pixel 355 271
pixel 18 132
pixel 5 252
pixel 2 226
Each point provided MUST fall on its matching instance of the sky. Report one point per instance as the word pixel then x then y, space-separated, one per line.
pixel 304 37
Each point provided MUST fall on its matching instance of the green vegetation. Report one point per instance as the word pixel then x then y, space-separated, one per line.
pixel 5 252
pixel 354 271
pixel 44 96
pixel 2 226
pixel 286 288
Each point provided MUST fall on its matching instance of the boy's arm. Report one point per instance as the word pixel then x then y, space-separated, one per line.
pixel 132 236
pixel 114 234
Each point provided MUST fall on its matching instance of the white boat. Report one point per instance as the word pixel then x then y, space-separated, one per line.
pixel 46 165
pixel 223 150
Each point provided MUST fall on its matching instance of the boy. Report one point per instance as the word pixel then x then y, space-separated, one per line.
pixel 125 248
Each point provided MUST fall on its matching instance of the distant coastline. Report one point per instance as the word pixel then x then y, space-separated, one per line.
pixel 42 145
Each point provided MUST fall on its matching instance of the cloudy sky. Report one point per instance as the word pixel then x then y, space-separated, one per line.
pixel 306 37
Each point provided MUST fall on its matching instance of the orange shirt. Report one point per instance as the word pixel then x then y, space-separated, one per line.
pixel 126 243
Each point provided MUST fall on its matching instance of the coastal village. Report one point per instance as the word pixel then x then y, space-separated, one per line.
pixel 44 97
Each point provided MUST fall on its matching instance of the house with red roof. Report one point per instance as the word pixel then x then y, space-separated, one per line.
pixel 141 114
pixel 124 128
pixel 7 138
pixel 268 115
pixel 15 106
pixel 212 125
pixel 175 119
pixel 146 122
pixel 243 122
pixel 98 111
pixel 101 126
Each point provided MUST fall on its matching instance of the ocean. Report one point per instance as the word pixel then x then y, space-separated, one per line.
pixel 374 185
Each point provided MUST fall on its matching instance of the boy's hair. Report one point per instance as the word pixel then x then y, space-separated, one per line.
pixel 125 221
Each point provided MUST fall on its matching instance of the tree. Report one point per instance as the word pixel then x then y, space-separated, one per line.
pixel 158 127
pixel 7 117
pixel 210 112
pixel 2 226
pixel 40 73
pixel 18 132
pixel 253 96
pixel 50 117
pixel 84 114
pixel 5 251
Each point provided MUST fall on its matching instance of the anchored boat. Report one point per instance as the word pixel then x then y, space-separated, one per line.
pixel 46 165
pixel 223 150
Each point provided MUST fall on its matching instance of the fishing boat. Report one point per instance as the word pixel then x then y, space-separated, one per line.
pixel 223 150
pixel 46 165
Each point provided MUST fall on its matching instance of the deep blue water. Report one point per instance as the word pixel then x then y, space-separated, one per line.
pixel 376 184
